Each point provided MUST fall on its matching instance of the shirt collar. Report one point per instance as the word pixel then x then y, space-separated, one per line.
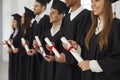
pixel 75 13
pixel 39 17
pixel 55 30
pixel 99 27
pixel 15 32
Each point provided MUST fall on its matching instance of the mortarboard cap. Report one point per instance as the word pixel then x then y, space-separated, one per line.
pixel 17 17
pixel 43 2
pixel 29 12
pixel 112 1
pixel 60 6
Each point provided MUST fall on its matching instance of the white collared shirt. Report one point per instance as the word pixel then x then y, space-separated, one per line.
pixel 15 33
pixel 99 27
pixel 55 30
pixel 75 13
pixel 39 17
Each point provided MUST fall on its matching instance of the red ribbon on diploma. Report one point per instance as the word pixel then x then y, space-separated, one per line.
pixel 70 49
pixel 51 47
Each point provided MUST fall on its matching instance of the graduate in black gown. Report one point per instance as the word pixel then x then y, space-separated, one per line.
pixel 102 42
pixel 24 69
pixel 41 24
pixel 48 68
pixel 13 55
pixel 75 25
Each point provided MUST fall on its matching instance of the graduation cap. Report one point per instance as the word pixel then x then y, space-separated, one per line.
pixel 112 1
pixel 43 2
pixel 60 6
pixel 29 13
pixel 17 17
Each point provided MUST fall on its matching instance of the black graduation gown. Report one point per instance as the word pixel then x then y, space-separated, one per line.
pixel 48 69
pixel 35 61
pixel 24 68
pixel 75 30
pixel 14 59
pixel 108 59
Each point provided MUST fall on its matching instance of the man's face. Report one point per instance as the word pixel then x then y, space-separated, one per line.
pixel 54 16
pixel 37 8
pixel 71 3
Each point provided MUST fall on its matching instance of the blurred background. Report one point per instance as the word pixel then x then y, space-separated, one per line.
pixel 8 7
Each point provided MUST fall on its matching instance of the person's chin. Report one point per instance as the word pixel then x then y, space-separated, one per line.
pixel 36 13
pixel 95 13
pixel 67 5
pixel 51 21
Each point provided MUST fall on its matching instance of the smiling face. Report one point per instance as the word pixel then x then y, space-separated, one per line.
pixel 97 7
pixel 55 16
pixel 14 24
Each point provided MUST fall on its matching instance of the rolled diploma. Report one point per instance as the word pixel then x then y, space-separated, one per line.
pixel 11 45
pixel 73 51
pixel 5 44
pixel 25 45
pixel 41 48
pixel 53 49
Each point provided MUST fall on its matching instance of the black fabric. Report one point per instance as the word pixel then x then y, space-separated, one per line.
pixel 48 69
pixel 14 59
pixel 35 61
pixel 23 73
pixel 75 30
pixel 108 59
pixel 43 2
pixel 112 1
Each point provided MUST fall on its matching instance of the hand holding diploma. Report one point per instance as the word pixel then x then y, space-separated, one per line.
pixel 52 47
pixel 25 45
pixel 11 45
pixel 72 50
pixel 5 44
pixel 40 46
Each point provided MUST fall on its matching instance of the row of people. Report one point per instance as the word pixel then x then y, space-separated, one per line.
pixel 93 34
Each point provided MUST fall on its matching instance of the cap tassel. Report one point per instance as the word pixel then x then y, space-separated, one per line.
pixel 115 10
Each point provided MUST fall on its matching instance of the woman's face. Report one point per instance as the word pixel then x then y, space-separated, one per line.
pixel 22 19
pixel 14 23
pixel 97 7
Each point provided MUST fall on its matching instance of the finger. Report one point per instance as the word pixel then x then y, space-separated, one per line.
pixel 78 64
pixel 63 44
pixel 47 59
pixel 34 41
